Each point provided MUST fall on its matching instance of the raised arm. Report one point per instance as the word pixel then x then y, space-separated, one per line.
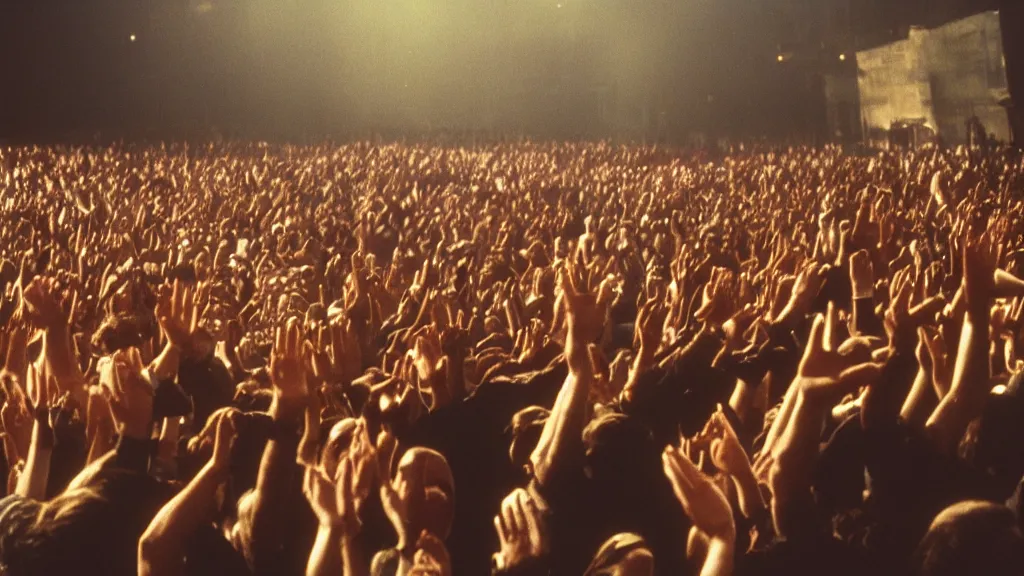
pixel 263 513
pixel 862 279
pixel 32 482
pixel 48 310
pixel 707 507
pixel 163 544
pixel 970 384
pixel 176 314
pixel 562 436
pixel 822 378
pixel 883 403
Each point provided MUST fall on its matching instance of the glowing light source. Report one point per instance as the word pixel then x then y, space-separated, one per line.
pixel 842 57
pixel 780 58
pixel 132 38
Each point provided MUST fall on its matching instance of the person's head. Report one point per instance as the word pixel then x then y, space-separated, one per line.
pixel 623 469
pixel 423 480
pixel 94 528
pixel 622 555
pixel 985 444
pixel 526 428
pixel 117 332
pixel 339 439
pixel 971 537
pixel 615 442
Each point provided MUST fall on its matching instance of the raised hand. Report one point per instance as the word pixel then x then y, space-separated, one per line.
pixel 45 304
pixel 980 255
pixel 935 347
pixel 346 352
pixel 720 297
pixel 289 362
pixel 862 276
pixel 585 318
pixel 702 500
pixel 824 372
pixel 177 313
pixel 322 495
pixel 902 320
pixel 649 322
pixel 17 423
pixel 431 557
pixel 13 350
pixel 724 448
pixel 522 531
pixel 128 392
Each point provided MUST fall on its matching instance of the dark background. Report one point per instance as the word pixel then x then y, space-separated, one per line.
pixel 308 69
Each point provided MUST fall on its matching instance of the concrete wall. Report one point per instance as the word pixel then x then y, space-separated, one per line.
pixel 943 75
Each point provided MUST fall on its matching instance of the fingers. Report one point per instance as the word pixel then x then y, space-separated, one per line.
pixel 830 342
pixel 508 515
pixel 279 340
pixel 345 484
pixel 387 445
pixel 177 299
pixel 135 359
pixel 225 436
pixel 927 309
pixel 567 283
pixel 533 518
pixel 501 527
pixel 681 485
pixel 293 338
pixel 816 339
pixel 859 375
pixel 685 470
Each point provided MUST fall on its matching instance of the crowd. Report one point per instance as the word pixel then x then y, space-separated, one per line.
pixel 517 358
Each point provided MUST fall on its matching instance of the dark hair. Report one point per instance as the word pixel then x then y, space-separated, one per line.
pixel 96 527
pixel 971 538
pixel 118 332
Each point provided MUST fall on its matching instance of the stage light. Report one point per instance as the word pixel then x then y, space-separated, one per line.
pixel 132 38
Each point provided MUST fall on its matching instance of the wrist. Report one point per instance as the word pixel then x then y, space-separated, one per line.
pixel 863 291
pixel 644 358
pixel 720 545
pixel 43 434
pixel 285 408
pixel 219 470
pixel 784 319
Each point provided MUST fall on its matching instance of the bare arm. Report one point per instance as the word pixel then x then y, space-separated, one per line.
pixel 970 384
pixel 32 482
pixel 263 513
pixel 563 431
pixel 165 366
pixel 719 560
pixel 162 546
